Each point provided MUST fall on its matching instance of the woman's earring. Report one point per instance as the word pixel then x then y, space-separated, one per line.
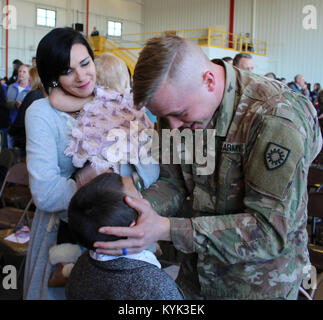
pixel 54 84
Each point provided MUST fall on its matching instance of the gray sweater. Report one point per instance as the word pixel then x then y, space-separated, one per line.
pixel 119 279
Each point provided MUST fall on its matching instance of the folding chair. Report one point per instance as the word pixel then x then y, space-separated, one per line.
pixel 10 248
pixel 6 161
pixel 314 179
pixel 7 158
pixel 315 210
pixel 17 175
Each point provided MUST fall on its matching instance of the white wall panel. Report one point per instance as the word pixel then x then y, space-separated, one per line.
pixel 243 16
pixel 160 15
pixel 291 48
pixel 24 40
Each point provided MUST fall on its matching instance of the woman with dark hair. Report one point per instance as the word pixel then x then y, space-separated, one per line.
pixel 65 60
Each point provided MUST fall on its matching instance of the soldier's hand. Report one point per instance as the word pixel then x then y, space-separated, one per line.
pixel 149 228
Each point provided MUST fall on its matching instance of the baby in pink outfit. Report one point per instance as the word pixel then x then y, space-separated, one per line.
pixel 101 133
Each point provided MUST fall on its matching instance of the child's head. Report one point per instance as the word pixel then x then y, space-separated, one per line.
pixel 112 73
pixel 100 203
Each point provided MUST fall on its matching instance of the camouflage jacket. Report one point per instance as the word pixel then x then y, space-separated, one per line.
pixel 247 235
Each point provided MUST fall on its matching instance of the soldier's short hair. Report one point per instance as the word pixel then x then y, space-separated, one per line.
pixel 160 57
pixel 240 56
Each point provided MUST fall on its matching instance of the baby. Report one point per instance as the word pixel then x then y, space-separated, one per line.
pixel 101 135
pixel 100 139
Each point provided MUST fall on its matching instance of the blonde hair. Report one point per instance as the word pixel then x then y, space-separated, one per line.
pixel 35 80
pixel 112 73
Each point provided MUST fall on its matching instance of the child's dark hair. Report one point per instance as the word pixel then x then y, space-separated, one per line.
pixel 53 54
pixel 99 203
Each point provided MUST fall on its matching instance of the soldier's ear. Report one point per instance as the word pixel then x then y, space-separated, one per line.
pixel 208 80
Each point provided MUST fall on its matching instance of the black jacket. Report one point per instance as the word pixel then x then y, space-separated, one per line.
pixel 4 112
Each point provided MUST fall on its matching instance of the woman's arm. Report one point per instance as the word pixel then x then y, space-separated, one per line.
pixel 66 102
pixel 50 190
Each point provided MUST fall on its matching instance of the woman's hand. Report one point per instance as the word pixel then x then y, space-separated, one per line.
pixel 150 227
pixel 85 175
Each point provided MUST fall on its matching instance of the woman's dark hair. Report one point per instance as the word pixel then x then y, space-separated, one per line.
pixel 53 54
pixel 99 203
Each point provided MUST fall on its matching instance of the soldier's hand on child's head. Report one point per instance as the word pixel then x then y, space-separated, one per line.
pixel 150 227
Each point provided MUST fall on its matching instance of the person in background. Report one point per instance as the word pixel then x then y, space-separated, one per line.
pixel 298 84
pixel 227 59
pixel 244 61
pixel 270 75
pixel 320 103
pixel 17 130
pixel 3 83
pixel 94 32
pixel 17 91
pixel 34 62
pixel 307 91
pixel 283 80
pixel 4 111
pixel 14 77
pixel 315 92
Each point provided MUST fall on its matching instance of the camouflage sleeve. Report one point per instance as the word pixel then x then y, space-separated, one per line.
pixel 275 198
pixel 167 194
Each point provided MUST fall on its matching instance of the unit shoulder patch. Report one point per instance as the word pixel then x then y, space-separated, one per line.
pixel 275 156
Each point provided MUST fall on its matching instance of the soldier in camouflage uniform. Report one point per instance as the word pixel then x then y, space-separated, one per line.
pixel 247 237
